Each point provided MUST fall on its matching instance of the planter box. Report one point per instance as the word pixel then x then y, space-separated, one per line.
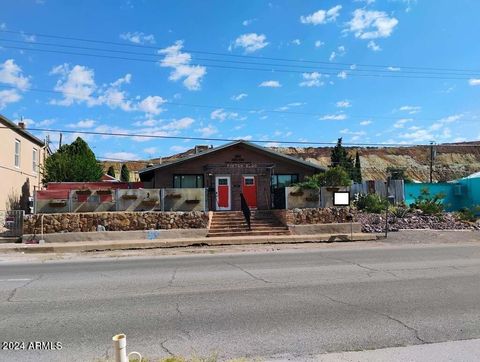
pixel 83 192
pixel 296 193
pixel 149 202
pixel 312 199
pixel 192 201
pixel 57 203
pixel 129 197
pixel 104 192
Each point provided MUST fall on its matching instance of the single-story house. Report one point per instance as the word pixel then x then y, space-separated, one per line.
pixel 229 170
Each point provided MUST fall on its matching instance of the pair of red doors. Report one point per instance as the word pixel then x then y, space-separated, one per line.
pixel 224 191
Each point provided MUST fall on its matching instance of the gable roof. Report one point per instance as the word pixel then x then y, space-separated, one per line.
pixel 230 144
pixel 22 132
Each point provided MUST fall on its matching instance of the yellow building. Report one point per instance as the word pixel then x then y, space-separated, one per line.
pixel 22 156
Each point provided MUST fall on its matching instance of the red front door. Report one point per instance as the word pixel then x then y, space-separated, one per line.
pixel 223 192
pixel 249 190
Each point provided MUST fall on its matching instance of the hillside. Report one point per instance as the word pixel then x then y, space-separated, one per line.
pixel 452 160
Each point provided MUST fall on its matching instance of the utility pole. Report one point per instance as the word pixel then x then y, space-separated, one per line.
pixel 60 141
pixel 432 158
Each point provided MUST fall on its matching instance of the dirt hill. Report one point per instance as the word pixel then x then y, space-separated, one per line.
pixel 452 161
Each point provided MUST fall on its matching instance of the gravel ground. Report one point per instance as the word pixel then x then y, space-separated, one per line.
pixel 375 223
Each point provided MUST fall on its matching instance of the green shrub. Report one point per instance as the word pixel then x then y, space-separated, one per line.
pixel 371 203
pixel 399 212
pixel 334 176
pixel 466 214
pixel 429 204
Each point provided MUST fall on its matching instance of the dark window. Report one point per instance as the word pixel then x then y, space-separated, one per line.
pixel 223 181
pixel 188 181
pixel 279 181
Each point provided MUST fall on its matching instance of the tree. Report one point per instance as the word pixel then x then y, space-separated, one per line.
pixel 111 171
pixel 357 175
pixel 334 176
pixel 125 173
pixel 340 157
pixel 73 162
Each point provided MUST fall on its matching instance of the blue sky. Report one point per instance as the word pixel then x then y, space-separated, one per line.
pixel 398 102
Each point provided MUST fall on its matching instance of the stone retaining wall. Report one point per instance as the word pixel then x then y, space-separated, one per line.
pixel 313 216
pixel 115 221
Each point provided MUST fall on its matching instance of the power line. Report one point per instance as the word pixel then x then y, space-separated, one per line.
pixel 231 67
pixel 242 109
pixel 119 134
pixel 234 55
pixel 309 68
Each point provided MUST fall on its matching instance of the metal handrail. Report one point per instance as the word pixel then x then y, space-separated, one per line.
pixel 246 210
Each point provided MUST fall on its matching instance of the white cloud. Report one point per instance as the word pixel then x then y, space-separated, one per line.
pixel 319 43
pixel 340 52
pixel 150 150
pixel 311 80
pixel 334 117
pixel 151 105
pixel 401 122
pixel 3 26
pixel 221 115
pixel 394 69
pixel 357 134
pixel 178 149
pixel 124 156
pixel 474 81
pixel 322 16
pixel 251 42
pixel 365 123
pixel 270 84
pixel 138 37
pixel 12 74
pixel 9 96
pixel 116 98
pixel 272 144
pixel 342 75
pixel 178 124
pixel 248 22
pixel 77 85
pixel 180 62
pixel 369 24
pixel 373 46
pixel 438 130
pixel 29 38
pixel 296 42
pixel 239 96
pixel 410 109
pixel 207 131
pixel 86 123
pixel 343 104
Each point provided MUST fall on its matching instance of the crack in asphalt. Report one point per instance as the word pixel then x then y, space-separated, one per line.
pixel 248 273
pixel 180 316
pixel 362 266
pixel 162 344
pixel 172 278
pixel 411 329
pixel 14 291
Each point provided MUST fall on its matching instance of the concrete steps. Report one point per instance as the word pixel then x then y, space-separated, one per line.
pixel 232 223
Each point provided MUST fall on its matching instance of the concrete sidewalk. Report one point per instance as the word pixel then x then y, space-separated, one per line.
pixel 79 246
pixel 452 351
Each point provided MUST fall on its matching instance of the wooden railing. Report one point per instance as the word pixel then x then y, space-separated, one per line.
pixel 245 210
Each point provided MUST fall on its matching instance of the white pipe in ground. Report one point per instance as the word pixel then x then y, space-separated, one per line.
pixel 120 347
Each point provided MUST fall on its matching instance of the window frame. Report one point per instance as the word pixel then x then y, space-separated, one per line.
pixel 197 176
pixel 17 156
pixel 35 160
pixel 274 185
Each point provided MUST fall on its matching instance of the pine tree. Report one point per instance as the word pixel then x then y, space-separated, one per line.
pixel 73 162
pixel 358 170
pixel 340 158
pixel 125 173
pixel 111 171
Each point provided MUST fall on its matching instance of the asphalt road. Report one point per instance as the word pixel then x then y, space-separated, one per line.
pixel 284 304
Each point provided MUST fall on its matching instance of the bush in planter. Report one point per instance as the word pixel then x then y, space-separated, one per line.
pixel 466 214
pixel 399 212
pixel 429 204
pixel 371 203
pixel 334 176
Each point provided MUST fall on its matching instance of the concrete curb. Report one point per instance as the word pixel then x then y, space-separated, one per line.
pixel 75 246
